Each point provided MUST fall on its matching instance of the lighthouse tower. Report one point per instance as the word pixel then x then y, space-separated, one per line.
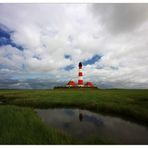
pixel 80 74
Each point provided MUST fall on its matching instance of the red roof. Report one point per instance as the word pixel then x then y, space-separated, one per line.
pixel 89 84
pixel 71 83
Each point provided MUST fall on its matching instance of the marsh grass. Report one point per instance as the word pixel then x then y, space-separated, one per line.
pixel 130 104
pixel 21 125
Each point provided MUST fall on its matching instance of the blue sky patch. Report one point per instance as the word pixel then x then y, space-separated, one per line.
pixel 4 41
pixel 16 46
pixel 4 33
pixel 92 60
pixel 5 38
pixel 67 56
pixel 69 67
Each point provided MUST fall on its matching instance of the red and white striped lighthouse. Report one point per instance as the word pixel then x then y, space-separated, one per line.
pixel 80 74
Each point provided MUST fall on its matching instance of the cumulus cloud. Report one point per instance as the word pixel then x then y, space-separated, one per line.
pixel 122 17
pixel 49 34
pixel 11 58
pixel 111 40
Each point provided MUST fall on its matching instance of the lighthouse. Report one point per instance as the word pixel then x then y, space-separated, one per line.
pixel 80 76
pixel 72 84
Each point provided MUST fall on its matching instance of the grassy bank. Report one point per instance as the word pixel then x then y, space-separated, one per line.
pixel 131 104
pixel 21 125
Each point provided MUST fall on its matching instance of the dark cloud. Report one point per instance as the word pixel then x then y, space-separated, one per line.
pixel 120 18
pixel 28 84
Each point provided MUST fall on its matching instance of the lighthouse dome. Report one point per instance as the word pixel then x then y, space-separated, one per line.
pixel 80 64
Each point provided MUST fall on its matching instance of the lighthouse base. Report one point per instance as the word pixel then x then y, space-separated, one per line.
pixel 80 85
pixel 75 88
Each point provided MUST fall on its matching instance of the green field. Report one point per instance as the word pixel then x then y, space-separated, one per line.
pixel 20 124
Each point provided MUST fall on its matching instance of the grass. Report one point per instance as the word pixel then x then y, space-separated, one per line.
pixel 129 104
pixel 20 125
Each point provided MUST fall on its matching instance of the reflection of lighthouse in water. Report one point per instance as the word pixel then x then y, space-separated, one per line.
pixel 80 116
pixel 80 74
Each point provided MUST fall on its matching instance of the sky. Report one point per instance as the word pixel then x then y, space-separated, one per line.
pixel 42 44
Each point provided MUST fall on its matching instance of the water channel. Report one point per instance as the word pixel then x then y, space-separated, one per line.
pixel 85 124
